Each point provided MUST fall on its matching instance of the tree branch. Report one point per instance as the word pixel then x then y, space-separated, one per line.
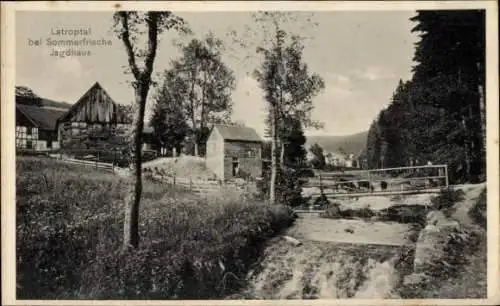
pixel 125 35
pixel 152 21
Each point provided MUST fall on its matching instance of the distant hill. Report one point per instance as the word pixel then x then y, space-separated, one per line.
pixel 350 143
pixel 26 96
pixel 55 104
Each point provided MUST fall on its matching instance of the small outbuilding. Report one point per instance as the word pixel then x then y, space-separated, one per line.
pixel 234 151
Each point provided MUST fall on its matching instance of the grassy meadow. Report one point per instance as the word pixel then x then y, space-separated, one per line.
pixel 69 226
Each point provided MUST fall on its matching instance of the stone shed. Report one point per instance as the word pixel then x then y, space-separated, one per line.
pixel 234 151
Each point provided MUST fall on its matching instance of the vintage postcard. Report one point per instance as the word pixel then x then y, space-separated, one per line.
pixel 250 153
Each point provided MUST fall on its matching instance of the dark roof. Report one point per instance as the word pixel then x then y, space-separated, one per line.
pixel 43 118
pixel 238 133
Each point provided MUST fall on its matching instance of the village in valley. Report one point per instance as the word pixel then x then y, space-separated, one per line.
pixel 254 162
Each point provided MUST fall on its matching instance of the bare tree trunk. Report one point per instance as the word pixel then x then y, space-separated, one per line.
pixel 482 113
pixel 274 164
pixel 282 154
pixel 466 149
pixel 195 143
pixel 131 224
pixel 482 116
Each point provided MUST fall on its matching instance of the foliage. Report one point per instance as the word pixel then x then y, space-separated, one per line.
pixel 69 232
pixel 318 161
pixel 446 199
pixel 322 201
pixel 25 95
pixel 201 84
pixel 288 88
pixel 478 212
pixel 168 118
pixel 438 115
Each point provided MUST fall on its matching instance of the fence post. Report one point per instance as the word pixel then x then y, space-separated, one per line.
pixel 96 159
pixel 370 186
pixel 446 175
pixel 114 159
pixel 190 185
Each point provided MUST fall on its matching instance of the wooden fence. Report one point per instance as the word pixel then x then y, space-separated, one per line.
pixel 89 163
pixel 382 182
pixel 199 186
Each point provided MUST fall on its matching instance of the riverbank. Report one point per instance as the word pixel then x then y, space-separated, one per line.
pixel 363 258
pixel 69 228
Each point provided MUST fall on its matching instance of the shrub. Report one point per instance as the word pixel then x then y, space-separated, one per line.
pixel 322 201
pixel 335 212
pixel 405 214
pixel 478 211
pixel 446 199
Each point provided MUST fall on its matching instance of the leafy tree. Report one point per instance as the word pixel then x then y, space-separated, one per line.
pixel 168 117
pixel 286 82
pixel 130 27
pixel 207 85
pixel 318 161
pixel 25 95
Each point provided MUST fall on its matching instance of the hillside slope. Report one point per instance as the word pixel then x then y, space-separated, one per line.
pixel 350 143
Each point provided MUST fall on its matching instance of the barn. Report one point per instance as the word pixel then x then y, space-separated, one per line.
pixel 234 151
pixel 93 112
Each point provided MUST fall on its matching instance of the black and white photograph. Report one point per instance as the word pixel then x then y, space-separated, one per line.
pixel 301 153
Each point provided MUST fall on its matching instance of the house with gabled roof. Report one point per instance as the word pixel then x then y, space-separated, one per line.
pixel 36 120
pixel 234 151
pixel 95 110
pixel 43 124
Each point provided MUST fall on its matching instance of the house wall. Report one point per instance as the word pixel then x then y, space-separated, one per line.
pixel 26 132
pixel 248 156
pixel 26 137
pixel 214 157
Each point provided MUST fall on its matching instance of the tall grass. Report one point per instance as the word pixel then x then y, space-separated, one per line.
pixel 69 234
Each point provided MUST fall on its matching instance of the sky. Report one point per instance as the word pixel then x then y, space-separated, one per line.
pixel 360 55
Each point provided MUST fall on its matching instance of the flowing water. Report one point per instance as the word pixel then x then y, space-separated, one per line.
pixel 337 259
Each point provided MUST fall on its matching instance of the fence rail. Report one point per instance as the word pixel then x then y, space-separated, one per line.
pixel 390 181
pixel 95 164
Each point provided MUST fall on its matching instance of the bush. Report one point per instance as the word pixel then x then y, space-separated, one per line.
pixel 405 214
pixel 446 199
pixel 288 187
pixel 322 201
pixel 478 211
pixel 69 235
pixel 335 212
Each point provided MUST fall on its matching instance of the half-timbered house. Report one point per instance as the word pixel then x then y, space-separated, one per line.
pixel 36 120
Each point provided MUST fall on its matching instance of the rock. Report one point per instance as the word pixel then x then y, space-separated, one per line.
pixel 432 242
pixel 434 217
pixel 292 241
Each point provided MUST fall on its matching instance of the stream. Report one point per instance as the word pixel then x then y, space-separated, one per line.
pixel 337 258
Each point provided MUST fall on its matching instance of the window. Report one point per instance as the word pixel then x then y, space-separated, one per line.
pixel 29 144
pixel 28 132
